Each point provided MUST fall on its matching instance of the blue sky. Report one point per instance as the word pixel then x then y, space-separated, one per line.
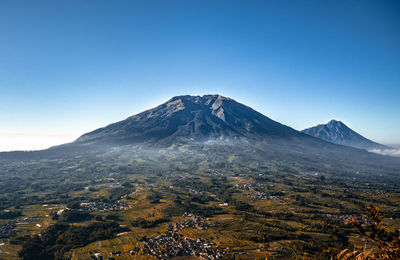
pixel 68 67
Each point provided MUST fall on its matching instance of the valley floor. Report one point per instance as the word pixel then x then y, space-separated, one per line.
pixel 149 209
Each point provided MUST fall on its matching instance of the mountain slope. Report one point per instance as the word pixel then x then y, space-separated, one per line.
pixel 196 118
pixel 337 132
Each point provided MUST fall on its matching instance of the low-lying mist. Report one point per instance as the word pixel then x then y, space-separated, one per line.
pixel 389 152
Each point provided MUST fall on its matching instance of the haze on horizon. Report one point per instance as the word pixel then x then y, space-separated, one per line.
pixel 70 67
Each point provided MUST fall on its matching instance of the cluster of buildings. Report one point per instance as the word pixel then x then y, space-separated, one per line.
pixel 192 221
pixel 103 206
pixel 259 195
pixel 244 186
pixel 171 244
pixel 250 186
pixel 7 230
pixel 27 220
pixel 370 191
pixel 216 173
pixel 194 192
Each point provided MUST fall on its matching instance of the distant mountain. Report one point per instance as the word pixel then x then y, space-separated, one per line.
pixel 337 132
pixel 194 118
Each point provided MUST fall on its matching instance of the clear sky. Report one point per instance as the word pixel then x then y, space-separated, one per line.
pixel 68 67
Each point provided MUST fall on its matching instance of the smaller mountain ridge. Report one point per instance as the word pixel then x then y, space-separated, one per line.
pixel 338 133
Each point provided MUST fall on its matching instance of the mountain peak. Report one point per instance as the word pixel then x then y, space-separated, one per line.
pixel 335 122
pixel 338 125
pixel 337 132
pixel 205 99
pixel 191 118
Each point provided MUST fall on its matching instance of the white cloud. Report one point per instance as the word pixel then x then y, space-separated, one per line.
pixel 28 142
pixel 390 152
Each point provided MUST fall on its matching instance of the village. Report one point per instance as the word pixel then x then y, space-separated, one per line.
pixel 192 221
pixel 8 229
pixel 258 194
pixel 250 186
pixel 103 206
pixel 171 244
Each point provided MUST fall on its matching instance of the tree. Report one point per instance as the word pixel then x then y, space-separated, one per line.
pixel 388 242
